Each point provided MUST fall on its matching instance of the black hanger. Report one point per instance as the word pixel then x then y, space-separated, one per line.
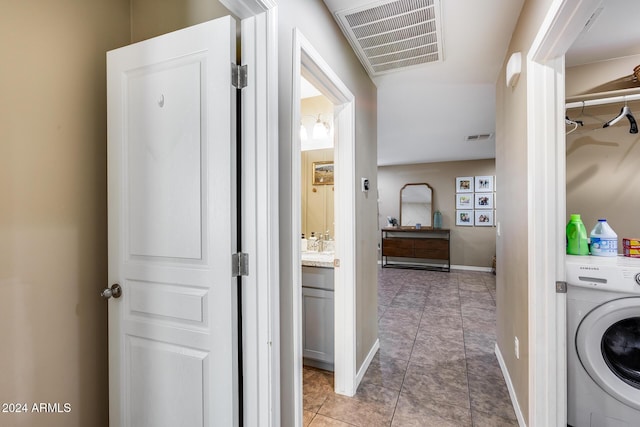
pixel 624 112
pixel 568 121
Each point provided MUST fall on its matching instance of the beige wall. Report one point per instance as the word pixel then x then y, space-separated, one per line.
pixel 319 27
pixel 512 178
pixel 53 224
pixel 150 18
pixel 602 164
pixel 470 246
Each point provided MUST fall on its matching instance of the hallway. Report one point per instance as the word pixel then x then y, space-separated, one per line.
pixel 436 365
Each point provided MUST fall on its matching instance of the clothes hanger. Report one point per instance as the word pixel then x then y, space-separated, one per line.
pixel 624 112
pixel 574 123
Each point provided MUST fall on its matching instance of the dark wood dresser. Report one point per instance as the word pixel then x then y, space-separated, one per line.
pixel 408 247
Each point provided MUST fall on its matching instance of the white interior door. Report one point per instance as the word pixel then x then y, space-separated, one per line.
pixel 172 229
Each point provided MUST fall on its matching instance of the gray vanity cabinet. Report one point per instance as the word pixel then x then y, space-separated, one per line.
pixel 317 317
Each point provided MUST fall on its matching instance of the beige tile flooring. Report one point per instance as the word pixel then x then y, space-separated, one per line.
pixel 436 365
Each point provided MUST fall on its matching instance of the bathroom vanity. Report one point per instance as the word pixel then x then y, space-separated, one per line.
pixel 317 310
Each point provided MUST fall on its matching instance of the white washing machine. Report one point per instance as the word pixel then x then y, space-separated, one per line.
pixel 603 341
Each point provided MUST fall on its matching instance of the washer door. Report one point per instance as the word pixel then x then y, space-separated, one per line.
pixel 608 346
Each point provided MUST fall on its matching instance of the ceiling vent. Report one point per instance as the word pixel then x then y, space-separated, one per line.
pixel 394 35
pixel 479 137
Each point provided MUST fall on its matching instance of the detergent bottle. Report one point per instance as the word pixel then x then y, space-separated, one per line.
pixel 577 243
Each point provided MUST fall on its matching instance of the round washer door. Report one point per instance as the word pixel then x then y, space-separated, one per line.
pixel 608 346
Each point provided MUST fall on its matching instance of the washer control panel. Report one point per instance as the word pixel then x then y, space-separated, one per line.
pixel 620 274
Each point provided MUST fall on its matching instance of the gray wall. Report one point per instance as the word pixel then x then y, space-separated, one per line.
pixel 319 27
pixel 470 246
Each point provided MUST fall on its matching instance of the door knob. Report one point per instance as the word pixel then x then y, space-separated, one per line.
pixel 114 291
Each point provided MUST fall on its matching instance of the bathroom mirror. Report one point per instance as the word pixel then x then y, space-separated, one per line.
pixel 416 203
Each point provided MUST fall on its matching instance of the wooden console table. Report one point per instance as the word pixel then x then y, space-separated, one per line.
pixel 408 247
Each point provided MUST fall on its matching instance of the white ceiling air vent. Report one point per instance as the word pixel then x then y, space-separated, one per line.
pixel 479 137
pixel 393 35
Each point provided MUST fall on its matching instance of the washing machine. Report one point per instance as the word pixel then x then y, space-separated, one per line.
pixel 603 341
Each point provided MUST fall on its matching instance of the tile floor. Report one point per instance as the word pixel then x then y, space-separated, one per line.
pixel 436 365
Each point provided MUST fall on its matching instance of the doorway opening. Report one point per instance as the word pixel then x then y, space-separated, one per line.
pixel 338 122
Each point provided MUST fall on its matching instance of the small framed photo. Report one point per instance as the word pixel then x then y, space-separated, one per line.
pixel 484 218
pixel 484 184
pixel 483 201
pixel 464 201
pixel 323 173
pixel 464 217
pixel 464 184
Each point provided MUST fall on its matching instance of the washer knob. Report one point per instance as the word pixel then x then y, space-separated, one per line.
pixel 638 278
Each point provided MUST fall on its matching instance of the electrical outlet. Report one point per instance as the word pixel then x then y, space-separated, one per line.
pixel 516 347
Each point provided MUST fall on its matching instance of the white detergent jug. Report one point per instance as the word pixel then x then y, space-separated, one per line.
pixel 604 241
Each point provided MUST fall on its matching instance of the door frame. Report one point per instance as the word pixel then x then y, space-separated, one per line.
pixel 259 216
pixel 547 187
pixel 307 61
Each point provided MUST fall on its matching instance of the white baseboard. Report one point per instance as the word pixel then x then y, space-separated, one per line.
pixel 464 267
pixel 471 268
pixel 367 362
pixel 512 392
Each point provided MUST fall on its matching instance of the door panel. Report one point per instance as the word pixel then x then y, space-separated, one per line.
pixel 163 166
pixel 171 152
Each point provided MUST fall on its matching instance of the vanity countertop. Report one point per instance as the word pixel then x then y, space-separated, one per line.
pixel 318 259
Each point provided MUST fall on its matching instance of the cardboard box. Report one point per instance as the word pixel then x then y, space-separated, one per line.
pixel 633 253
pixel 631 243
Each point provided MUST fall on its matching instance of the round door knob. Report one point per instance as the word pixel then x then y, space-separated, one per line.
pixel 114 291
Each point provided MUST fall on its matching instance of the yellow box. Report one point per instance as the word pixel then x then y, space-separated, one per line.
pixel 633 253
pixel 632 243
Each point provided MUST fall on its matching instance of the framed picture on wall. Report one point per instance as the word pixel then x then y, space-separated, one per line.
pixel 483 218
pixel 323 173
pixel 483 201
pixel 464 217
pixel 464 184
pixel 484 184
pixel 464 201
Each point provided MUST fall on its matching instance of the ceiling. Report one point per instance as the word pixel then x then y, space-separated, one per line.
pixel 426 113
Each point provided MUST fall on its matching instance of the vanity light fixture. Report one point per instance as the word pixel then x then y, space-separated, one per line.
pixel 321 129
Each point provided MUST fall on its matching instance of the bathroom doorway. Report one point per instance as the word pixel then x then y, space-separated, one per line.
pixel 339 124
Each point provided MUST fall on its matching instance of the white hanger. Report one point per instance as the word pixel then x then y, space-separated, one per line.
pixel 624 112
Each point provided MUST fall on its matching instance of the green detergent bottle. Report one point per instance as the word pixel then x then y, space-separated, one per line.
pixel 577 243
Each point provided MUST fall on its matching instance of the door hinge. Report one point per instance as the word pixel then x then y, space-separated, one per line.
pixel 239 264
pixel 561 287
pixel 239 76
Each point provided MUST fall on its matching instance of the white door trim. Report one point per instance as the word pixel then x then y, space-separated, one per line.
pixel 260 236
pixel 307 61
pixel 547 206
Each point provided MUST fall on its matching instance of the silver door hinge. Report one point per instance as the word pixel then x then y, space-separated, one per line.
pixel 239 264
pixel 561 287
pixel 239 76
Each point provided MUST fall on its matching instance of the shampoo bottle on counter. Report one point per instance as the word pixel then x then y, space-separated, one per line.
pixel 604 241
pixel 303 244
pixel 312 244
pixel 577 243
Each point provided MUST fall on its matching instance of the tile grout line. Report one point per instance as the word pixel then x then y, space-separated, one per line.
pixel 410 353
pixel 466 366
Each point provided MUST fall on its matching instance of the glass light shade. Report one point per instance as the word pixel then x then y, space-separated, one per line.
pixel 320 130
pixel 303 133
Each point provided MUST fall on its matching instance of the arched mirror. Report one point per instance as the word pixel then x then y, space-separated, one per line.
pixel 416 203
